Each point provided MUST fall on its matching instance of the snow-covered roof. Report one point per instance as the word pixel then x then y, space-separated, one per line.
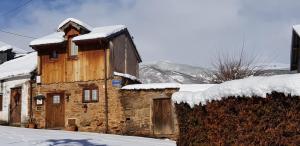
pixel 18 67
pixel 248 87
pixel 128 76
pixel 5 46
pixel 100 32
pixel 181 87
pixel 296 28
pixel 57 37
pixel 76 21
pixel 95 33
pixel 152 86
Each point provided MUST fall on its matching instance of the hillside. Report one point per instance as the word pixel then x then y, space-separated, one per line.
pixel 166 72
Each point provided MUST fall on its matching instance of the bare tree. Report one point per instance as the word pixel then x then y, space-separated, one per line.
pixel 231 67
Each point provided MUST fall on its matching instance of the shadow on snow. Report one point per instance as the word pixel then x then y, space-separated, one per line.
pixel 83 142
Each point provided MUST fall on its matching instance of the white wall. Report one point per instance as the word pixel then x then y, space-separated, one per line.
pixel 7 85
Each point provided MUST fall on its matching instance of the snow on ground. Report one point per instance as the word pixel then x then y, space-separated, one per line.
pixel 14 136
pixel 248 87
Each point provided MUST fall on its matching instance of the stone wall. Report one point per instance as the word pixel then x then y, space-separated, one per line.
pixel 93 119
pixel 138 111
pixel 129 111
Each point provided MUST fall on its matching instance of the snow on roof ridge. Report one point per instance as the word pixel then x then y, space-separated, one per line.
pixel 151 86
pixel 56 37
pixel 100 32
pixel 4 46
pixel 134 78
pixel 296 28
pixel 19 66
pixel 88 27
pixel 181 87
pixel 247 87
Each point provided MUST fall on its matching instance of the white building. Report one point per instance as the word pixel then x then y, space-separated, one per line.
pixel 15 89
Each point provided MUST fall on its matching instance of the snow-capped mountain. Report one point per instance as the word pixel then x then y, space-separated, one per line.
pixel 166 72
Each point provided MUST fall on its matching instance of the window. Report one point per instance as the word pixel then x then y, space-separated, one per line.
pixel 56 99
pixel 73 49
pixel 53 54
pixel 90 94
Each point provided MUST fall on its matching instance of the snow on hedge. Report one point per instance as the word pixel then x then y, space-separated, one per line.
pixel 57 37
pixel 194 87
pixel 76 21
pixel 100 32
pixel 248 87
pixel 19 66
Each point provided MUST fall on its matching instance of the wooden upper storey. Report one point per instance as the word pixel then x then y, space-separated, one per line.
pixel 57 62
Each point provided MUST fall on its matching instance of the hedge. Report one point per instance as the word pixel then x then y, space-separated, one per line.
pixel 274 120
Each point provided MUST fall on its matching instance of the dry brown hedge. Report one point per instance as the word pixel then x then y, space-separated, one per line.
pixel 241 121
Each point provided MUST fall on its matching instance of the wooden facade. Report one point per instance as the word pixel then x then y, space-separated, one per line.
pixel 89 64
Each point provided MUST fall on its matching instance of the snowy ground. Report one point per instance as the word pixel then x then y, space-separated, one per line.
pixel 11 136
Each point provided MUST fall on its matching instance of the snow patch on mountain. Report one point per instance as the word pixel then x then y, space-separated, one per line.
pixel 165 71
pixel 169 72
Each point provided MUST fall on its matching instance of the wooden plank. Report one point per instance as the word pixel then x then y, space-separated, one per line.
pixel 55 111
pixel 162 116
pixel 15 106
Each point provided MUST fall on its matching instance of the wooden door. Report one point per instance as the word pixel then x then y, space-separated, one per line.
pixel 15 106
pixel 55 110
pixel 162 116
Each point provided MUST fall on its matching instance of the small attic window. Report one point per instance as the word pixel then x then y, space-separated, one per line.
pixel 73 49
pixel 53 54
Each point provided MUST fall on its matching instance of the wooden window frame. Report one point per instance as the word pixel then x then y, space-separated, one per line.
pixel 58 100
pixel 70 42
pixel 91 94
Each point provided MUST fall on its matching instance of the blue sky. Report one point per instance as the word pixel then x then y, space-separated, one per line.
pixel 188 31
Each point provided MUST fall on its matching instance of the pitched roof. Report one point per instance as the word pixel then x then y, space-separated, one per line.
pixel 53 38
pixel 19 67
pixel 75 22
pixel 5 46
pixel 101 32
pixel 94 33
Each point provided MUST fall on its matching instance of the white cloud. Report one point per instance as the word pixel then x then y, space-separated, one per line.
pixel 189 31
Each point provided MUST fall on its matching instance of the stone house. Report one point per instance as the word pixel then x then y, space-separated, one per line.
pixel 79 75
pixel 88 78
